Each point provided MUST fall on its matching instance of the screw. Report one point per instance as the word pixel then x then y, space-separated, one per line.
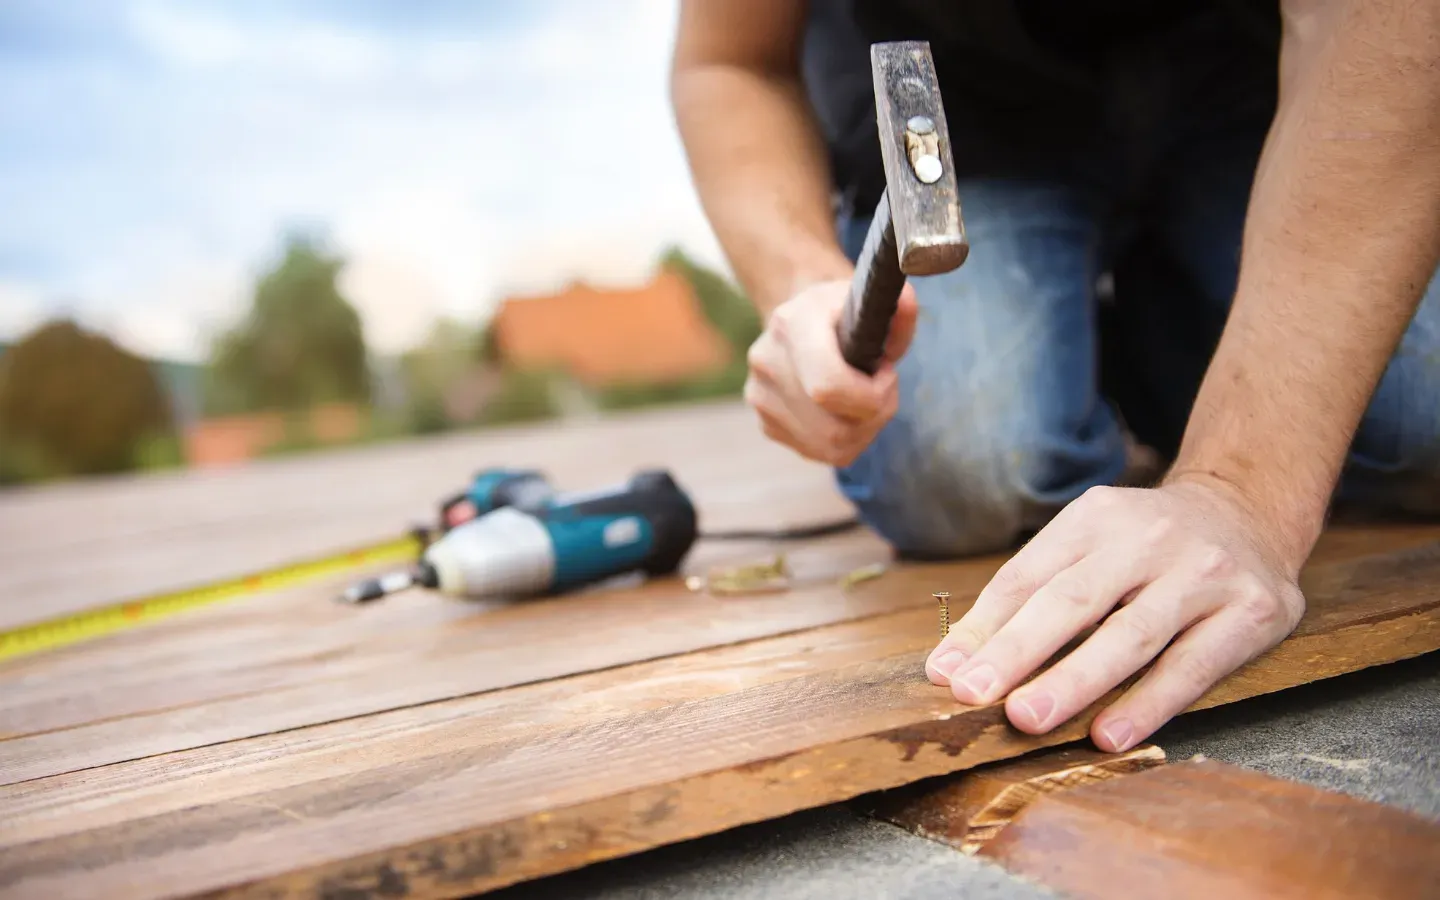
pixel 943 598
pixel 920 124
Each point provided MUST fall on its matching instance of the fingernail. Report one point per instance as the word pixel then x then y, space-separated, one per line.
pixel 979 680
pixel 1038 706
pixel 947 662
pixel 1118 733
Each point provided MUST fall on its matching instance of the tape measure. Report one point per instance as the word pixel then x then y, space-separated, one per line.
pixel 93 623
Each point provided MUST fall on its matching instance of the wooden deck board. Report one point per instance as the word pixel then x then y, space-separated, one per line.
pixel 284 743
pixel 1205 829
pixel 486 803
pixel 74 546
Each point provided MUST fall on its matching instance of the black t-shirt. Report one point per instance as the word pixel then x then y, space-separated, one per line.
pixel 1019 77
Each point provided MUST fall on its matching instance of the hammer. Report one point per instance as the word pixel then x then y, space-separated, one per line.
pixel 917 228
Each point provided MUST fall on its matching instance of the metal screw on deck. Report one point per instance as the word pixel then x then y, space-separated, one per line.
pixel 943 598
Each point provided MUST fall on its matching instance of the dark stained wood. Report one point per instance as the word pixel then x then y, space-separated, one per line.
pixel 538 783
pixel 970 808
pixel 1202 829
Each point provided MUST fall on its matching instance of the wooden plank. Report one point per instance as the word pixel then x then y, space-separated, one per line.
pixel 297 639
pixel 293 644
pixel 966 810
pixel 72 546
pixel 1203 829
pixel 109 795
pixel 504 647
pixel 462 818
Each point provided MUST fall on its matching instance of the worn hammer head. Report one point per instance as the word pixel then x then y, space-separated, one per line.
pixel 916 229
pixel 919 173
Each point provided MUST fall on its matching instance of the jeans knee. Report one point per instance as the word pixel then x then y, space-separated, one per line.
pixel 1418 491
pixel 947 484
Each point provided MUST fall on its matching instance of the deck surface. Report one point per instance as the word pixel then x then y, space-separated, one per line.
pixel 286 744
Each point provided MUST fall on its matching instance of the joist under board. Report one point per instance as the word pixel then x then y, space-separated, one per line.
pixel 471 793
pixel 1197 830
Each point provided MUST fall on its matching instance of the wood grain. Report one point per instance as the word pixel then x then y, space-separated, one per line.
pixel 73 546
pixel 1203 829
pixel 966 810
pixel 444 816
pixel 296 643
pixel 299 639
pixel 504 647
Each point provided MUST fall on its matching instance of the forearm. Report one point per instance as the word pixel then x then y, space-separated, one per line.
pixel 762 177
pixel 1342 236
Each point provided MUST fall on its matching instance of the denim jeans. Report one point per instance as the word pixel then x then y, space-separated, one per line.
pixel 1026 369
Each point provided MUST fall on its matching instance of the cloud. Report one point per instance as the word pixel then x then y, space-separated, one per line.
pixel 452 156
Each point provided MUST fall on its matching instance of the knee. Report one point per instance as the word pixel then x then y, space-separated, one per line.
pixel 948 480
pixel 1419 491
pixel 1395 458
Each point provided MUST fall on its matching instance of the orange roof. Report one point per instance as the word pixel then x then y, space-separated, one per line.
pixel 654 333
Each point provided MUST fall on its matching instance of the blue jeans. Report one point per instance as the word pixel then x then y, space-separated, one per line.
pixel 1024 374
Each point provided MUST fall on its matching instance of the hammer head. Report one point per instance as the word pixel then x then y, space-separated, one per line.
pixel 919 172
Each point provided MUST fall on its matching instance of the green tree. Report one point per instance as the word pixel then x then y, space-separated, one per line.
pixel 73 402
pixel 301 343
pixel 450 351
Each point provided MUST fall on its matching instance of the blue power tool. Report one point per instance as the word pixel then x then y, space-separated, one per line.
pixel 492 489
pixel 552 543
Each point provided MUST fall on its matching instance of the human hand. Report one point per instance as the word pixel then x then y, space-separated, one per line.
pixel 1187 558
pixel 807 397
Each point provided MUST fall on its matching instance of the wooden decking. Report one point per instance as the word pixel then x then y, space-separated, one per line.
pixel 286 745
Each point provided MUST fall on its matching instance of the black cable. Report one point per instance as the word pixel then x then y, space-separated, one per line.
pixel 798 533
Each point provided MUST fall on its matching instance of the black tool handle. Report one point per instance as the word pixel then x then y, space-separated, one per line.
pixel 874 294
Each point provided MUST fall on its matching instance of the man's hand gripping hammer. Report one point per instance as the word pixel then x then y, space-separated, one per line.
pixel 917 229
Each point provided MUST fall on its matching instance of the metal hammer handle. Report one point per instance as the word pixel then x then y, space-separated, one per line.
pixel 874 294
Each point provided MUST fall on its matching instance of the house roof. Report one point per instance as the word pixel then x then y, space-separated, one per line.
pixel 653 333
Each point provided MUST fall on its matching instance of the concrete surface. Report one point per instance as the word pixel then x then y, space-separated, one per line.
pixel 1374 734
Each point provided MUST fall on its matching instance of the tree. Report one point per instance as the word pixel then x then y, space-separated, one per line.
pixel 450 351
pixel 300 345
pixel 73 402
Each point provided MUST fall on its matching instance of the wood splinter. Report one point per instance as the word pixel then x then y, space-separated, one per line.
pixel 967 810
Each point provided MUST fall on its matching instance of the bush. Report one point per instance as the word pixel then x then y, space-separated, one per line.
pixel 524 396
pixel 728 382
pixel 75 403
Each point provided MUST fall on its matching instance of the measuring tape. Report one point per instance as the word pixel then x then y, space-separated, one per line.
pixel 92 623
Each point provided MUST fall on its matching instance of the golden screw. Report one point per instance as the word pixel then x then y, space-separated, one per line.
pixel 943 598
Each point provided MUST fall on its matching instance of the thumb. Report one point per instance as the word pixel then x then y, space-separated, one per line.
pixel 902 326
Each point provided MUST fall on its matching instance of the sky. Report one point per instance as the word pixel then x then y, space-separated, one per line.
pixel 155 153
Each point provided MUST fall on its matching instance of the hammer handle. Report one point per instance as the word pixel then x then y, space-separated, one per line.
pixel 874 294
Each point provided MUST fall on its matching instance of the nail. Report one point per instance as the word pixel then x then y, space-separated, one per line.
pixel 1038 706
pixel 1118 733
pixel 979 680
pixel 947 662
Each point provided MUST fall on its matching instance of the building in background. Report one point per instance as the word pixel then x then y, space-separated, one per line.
pixel 600 337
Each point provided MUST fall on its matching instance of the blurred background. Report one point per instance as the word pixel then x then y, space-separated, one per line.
pixel 234 229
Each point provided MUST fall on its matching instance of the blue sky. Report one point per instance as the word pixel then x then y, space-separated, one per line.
pixel 154 152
